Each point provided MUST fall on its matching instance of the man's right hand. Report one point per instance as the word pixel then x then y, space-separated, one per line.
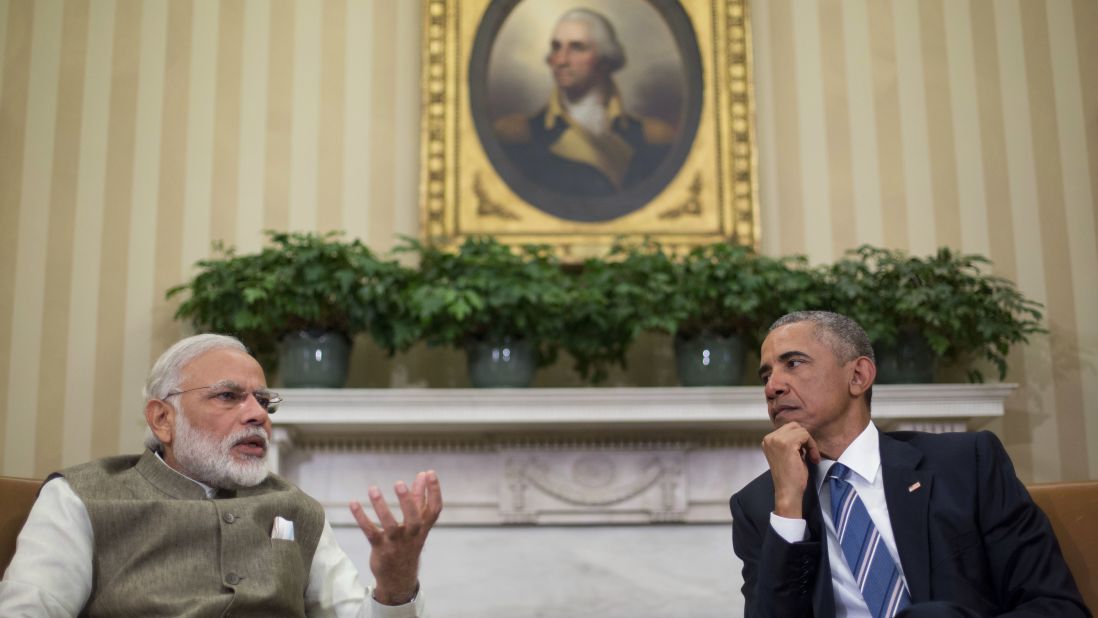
pixel 788 451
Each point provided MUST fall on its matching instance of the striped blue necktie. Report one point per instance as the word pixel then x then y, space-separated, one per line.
pixel 874 570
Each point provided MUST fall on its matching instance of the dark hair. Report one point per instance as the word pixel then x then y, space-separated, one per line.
pixel 845 337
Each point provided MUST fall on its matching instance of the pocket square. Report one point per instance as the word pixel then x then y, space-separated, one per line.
pixel 283 529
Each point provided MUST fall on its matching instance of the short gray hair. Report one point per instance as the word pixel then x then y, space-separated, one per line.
pixel 602 34
pixel 167 373
pixel 845 337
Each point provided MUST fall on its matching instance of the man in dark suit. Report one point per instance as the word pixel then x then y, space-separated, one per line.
pixel 961 534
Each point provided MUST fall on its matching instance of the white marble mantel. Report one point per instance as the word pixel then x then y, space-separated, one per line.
pixel 417 411
pixel 550 493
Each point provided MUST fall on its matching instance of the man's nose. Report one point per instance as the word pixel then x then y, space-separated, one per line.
pixel 774 386
pixel 254 413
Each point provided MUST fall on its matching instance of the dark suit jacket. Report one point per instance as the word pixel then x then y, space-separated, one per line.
pixel 969 536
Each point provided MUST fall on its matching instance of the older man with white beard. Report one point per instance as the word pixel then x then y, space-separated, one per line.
pixel 196 526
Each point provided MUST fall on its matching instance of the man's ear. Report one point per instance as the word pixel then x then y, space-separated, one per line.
pixel 160 416
pixel 865 372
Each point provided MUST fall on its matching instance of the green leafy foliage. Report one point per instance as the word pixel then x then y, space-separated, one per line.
pixel 719 289
pixel 947 297
pixel 299 281
pixel 614 300
pixel 728 290
pixel 487 291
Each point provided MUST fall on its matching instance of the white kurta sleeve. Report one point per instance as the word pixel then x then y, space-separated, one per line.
pixel 51 572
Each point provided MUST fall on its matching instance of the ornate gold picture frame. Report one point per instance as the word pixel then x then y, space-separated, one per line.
pixel 504 152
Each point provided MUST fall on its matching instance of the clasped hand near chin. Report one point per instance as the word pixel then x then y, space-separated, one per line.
pixel 788 450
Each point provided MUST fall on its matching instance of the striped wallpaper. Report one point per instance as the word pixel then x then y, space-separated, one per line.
pixel 134 132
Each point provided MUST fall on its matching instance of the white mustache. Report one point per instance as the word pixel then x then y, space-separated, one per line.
pixel 244 434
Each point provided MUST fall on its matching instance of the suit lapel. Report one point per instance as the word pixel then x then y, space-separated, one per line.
pixel 907 493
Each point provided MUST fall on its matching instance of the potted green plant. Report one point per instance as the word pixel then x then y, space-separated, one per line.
pixel 503 306
pixel 725 298
pixel 614 299
pixel 918 311
pixel 296 303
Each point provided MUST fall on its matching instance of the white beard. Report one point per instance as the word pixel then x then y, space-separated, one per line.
pixel 205 459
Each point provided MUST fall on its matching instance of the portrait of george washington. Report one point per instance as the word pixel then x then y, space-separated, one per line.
pixel 587 111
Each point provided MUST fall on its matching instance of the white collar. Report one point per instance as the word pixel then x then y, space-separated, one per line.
pixel 863 457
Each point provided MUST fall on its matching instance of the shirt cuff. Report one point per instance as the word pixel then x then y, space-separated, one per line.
pixel 416 608
pixel 792 530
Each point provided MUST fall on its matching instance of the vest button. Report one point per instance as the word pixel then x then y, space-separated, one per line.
pixel 233 579
pixel 229 518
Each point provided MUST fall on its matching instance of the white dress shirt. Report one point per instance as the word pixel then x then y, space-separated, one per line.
pixel 863 457
pixel 51 572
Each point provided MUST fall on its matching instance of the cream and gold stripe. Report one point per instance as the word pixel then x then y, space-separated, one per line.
pixel 225 171
pixel 14 71
pixel 142 246
pixel 765 128
pixel 33 231
pixel 972 217
pixel 59 242
pixel 280 78
pixel 894 197
pixel 839 169
pixel 333 58
pixel 811 114
pixel 914 138
pixel 358 173
pixel 87 221
pixel 304 120
pixel 404 87
pixel 1079 199
pixel 254 80
pixel 790 201
pixel 943 162
pixel 106 397
pixel 198 139
pixel 1054 241
pixel 383 135
pixel 865 161
pixel 1022 180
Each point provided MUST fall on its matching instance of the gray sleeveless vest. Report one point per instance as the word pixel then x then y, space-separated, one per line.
pixel 161 548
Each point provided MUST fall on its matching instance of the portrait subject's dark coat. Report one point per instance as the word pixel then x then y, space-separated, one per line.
pixel 551 150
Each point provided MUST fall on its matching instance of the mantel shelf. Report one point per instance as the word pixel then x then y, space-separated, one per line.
pixel 421 411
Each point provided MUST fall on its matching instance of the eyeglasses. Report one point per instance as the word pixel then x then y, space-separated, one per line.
pixel 229 397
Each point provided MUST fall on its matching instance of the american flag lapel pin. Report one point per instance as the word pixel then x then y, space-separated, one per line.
pixel 912 487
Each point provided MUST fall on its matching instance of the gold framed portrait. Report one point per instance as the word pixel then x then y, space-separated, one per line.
pixel 548 122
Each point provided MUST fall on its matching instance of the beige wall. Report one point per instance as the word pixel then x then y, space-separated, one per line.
pixel 132 133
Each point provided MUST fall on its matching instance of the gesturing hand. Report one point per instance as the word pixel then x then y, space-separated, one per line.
pixel 396 546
